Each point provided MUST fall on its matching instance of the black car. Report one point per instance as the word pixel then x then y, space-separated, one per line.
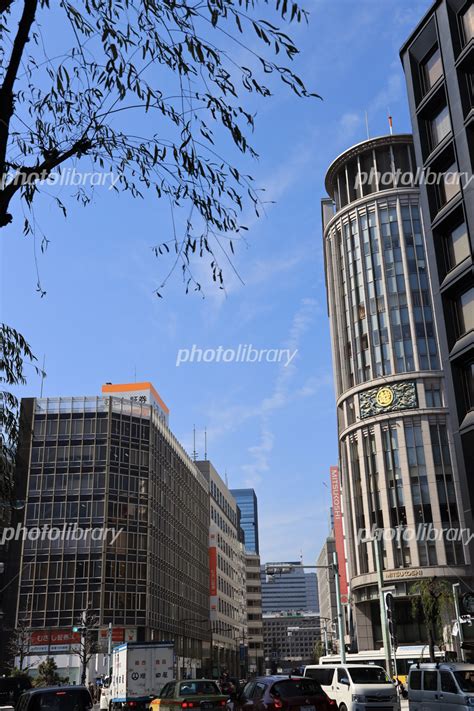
pixel 281 692
pixel 55 698
pixel 11 688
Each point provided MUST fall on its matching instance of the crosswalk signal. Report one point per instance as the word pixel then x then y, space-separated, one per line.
pixel 389 612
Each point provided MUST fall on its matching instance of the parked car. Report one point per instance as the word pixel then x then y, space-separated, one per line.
pixel 11 688
pixel 55 698
pixel 356 687
pixel 441 687
pixel 281 692
pixel 203 694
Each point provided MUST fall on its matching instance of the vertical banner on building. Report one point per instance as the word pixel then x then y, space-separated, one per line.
pixel 339 531
pixel 213 574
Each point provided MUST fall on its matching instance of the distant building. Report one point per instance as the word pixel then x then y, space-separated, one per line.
pixel 254 647
pixel 289 591
pixel 289 639
pixel 327 594
pixel 228 604
pixel 247 503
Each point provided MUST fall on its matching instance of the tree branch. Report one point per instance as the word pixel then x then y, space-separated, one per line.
pixel 4 5
pixel 6 90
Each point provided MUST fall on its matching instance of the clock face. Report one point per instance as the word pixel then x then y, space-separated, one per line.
pixel 384 397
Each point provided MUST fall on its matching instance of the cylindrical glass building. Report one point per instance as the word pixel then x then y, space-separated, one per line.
pixel 398 467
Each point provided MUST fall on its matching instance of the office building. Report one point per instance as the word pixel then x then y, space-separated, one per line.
pixel 289 591
pixel 327 596
pixel 128 516
pixel 289 640
pixel 228 577
pixel 438 59
pixel 247 503
pixel 254 616
pixel 398 462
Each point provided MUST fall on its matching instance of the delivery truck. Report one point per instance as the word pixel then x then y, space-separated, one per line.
pixel 139 672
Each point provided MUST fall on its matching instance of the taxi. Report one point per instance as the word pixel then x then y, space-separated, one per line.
pixel 199 694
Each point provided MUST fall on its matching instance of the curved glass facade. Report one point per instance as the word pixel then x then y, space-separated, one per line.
pixel 397 461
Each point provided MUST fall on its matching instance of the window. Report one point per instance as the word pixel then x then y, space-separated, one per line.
pixel 465 312
pixel 449 185
pixel 447 683
pixel 468 377
pixel 415 680
pixel 440 126
pixel 433 394
pixel 430 681
pixel 432 70
pixel 457 246
pixel 467 24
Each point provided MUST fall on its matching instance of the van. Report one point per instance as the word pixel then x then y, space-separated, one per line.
pixel 356 687
pixel 441 687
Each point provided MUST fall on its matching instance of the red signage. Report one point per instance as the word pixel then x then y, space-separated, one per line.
pixel 118 634
pixel 339 532
pixel 212 571
pixel 50 637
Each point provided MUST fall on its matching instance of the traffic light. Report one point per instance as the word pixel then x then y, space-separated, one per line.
pixel 389 612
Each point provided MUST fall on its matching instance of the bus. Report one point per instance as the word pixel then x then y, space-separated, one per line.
pixel 406 656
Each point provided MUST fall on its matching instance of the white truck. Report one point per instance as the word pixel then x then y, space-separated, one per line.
pixel 139 672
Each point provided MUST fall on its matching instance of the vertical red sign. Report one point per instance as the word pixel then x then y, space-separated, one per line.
pixel 339 531
pixel 212 571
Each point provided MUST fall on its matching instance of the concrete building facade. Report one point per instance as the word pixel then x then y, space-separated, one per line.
pixel 438 59
pixel 399 469
pixel 327 595
pixel 289 591
pixel 254 616
pixel 289 640
pixel 228 601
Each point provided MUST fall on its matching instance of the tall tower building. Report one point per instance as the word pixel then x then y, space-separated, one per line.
pixel 398 462
pixel 121 521
pixel 438 59
pixel 247 503
pixel 291 591
pixel 228 579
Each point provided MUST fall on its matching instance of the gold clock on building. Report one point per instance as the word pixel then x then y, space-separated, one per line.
pixel 384 397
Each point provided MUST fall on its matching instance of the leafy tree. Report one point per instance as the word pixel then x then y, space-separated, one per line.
pixel 148 90
pixel 432 599
pixel 88 646
pixel 318 651
pixel 19 646
pixel 47 673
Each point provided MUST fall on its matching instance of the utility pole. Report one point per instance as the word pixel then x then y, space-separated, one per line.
pixel 109 650
pixel 383 613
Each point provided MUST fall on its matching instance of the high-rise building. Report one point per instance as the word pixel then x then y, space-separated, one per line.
pixel 399 470
pixel 289 591
pixel 327 594
pixel 125 516
pixel 254 616
pixel 247 503
pixel 289 639
pixel 228 603
pixel 438 59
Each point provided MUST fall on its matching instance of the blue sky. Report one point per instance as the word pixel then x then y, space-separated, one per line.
pixel 270 427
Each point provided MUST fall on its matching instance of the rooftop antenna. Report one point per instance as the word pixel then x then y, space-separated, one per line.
pixel 367 124
pixel 194 444
pixel 205 444
pixel 390 122
pixel 43 375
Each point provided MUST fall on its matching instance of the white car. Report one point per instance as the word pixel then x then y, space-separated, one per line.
pixel 441 687
pixel 356 687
